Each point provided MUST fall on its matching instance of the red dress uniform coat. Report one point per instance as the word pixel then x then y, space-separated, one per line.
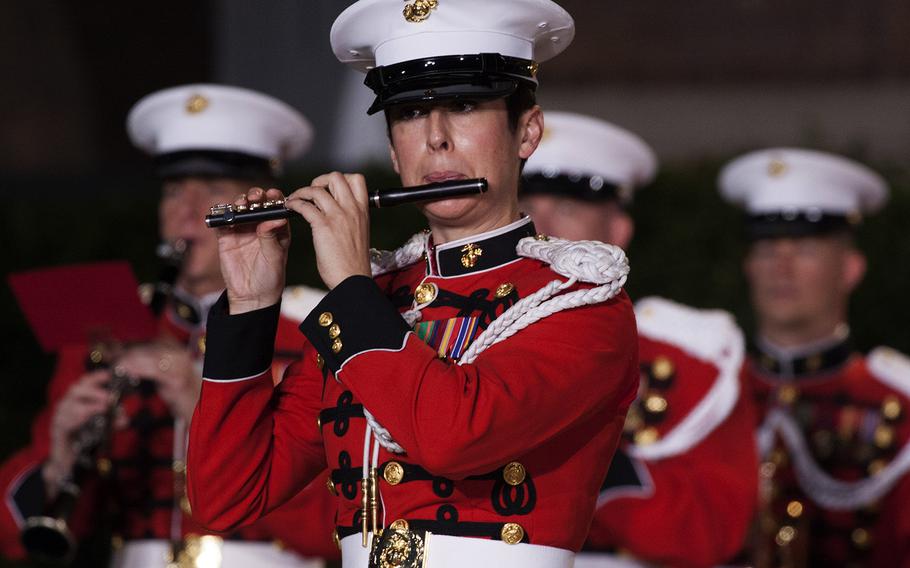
pixel 512 447
pixel 688 457
pixel 138 496
pixel 835 441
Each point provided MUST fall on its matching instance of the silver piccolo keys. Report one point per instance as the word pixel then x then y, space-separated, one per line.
pixel 228 214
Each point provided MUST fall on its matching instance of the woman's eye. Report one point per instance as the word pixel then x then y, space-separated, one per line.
pixel 410 113
pixel 463 106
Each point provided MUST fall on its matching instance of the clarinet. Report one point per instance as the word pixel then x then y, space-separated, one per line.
pixel 48 536
pixel 225 215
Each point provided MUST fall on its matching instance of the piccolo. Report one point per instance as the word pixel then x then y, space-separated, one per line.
pixel 227 214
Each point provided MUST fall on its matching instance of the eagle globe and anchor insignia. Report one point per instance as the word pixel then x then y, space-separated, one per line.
pixel 419 10
pixel 398 547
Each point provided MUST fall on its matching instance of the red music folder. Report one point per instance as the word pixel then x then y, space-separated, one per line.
pixel 81 303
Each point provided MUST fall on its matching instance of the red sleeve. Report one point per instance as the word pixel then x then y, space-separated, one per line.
pixel 710 489
pixel 253 446
pixel 20 475
pixel 462 420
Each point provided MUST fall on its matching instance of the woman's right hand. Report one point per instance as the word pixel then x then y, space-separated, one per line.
pixel 254 257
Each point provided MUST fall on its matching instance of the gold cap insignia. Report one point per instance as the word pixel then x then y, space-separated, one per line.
pixel 419 10
pixel 196 104
pixel 777 167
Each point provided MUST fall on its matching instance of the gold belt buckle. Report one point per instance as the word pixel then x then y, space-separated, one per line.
pixel 196 551
pixel 398 547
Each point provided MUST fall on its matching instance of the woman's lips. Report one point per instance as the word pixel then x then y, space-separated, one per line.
pixel 437 177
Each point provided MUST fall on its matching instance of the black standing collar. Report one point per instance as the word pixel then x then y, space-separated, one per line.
pixel 823 358
pixel 480 252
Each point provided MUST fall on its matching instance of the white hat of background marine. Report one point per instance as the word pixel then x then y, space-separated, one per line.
pixel 587 158
pixel 435 49
pixel 217 130
pixel 792 191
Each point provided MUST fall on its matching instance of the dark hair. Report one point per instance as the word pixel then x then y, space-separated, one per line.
pixel 522 99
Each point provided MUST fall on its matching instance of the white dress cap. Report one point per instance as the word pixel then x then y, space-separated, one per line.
pixel 793 181
pixel 372 33
pixel 205 117
pixel 593 154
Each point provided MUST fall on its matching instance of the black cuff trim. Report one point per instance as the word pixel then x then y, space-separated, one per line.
pixel 359 317
pixel 30 498
pixel 622 473
pixel 239 346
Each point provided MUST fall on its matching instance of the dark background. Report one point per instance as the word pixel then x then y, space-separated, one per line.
pixel 702 81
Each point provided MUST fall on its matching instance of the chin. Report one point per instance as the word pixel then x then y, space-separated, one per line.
pixel 449 209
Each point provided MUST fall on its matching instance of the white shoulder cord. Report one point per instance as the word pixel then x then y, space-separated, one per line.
pixel 586 261
pixel 825 490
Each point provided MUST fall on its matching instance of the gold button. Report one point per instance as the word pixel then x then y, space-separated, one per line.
pixel 337 345
pixel 185 505
pixel 96 356
pixel 891 407
pixel 399 525
pixel 116 542
pixel 542 237
pixel 330 485
pixel 336 539
pixel 794 509
pixel 326 319
pixel 425 293
pixel 104 466
pixel 860 538
pixel 334 330
pixel 201 345
pixel 646 436
pixel 514 473
pixel 787 394
pixel 319 422
pixel 393 473
pixel 184 311
pixel 504 289
pixel 785 535
pixel 876 466
pixel 179 466
pixel 320 361
pixel 779 457
pixel 512 533
pixel 884 436
pixel 814 363
pixel 655 404
pixel 662 369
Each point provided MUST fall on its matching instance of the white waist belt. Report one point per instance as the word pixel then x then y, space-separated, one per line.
pixel 605 560
pixel 213 553
pixel 444 551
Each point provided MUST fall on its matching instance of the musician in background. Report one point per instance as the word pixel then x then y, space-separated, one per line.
pixel 834 432
pixel 210 143
pixel 686 459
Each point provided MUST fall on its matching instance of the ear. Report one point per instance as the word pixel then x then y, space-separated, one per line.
pixel 854 269
pixel 394 156
pixel 531 131
pixel 621 228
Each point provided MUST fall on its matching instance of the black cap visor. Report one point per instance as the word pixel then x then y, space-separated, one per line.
pixel 481 76
pixel 794 225
pixel 586 188
pixel 213 163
